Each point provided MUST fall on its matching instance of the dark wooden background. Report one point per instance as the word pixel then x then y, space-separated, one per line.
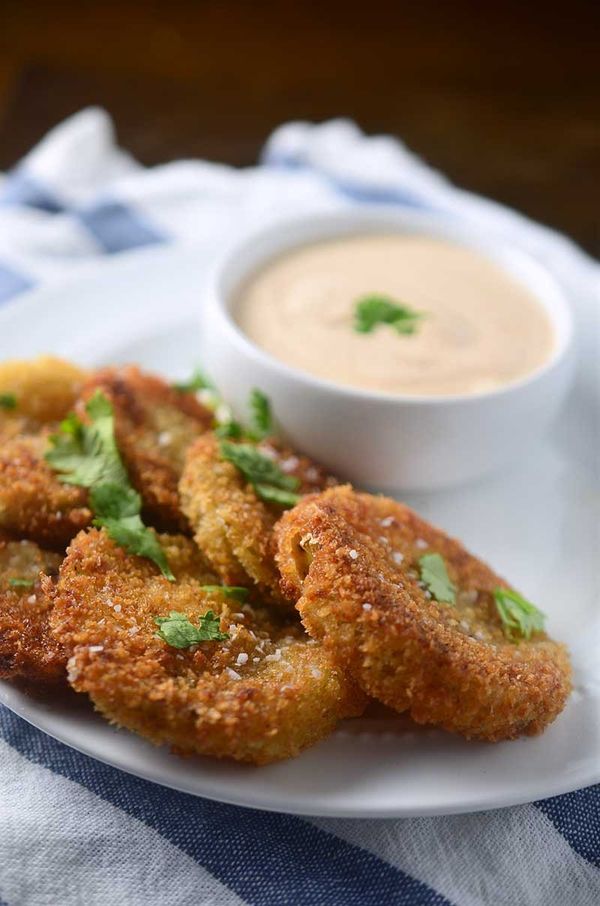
pixel 502 96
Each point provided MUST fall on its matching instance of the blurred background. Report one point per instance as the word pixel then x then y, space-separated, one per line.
pixel 502 97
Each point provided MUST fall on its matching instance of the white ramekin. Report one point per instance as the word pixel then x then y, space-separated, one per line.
pixel 375 440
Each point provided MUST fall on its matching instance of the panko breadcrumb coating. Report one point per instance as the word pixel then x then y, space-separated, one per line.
pixel 28 649
pixel 231 524
pixel 263 694
pixel 352 560
pixel 33 502
pixel 154 425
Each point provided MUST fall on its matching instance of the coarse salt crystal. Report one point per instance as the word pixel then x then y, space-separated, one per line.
pixel 316 672
pixel 367 606
pixel 94 648
pixel 164 438
pixel 117 608
pixel 256 660
pixel 289 464
pixel 421 543
pixel 242 658
pixel 232 673
pixel 133 630
pixel 274 657
pixel 32 599
pixel 397 557
pixel 239 616
pixel 389 520
pixel 353 554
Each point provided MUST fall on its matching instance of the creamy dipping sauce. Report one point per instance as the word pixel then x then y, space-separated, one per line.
pixel 481 329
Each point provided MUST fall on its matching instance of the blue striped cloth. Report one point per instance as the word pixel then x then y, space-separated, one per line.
pixel 74 831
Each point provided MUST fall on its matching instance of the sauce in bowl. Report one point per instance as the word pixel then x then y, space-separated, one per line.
pixel 477 329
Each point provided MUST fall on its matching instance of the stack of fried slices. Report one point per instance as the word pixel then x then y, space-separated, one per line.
pixel 211 589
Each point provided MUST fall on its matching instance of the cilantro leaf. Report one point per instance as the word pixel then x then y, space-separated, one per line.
pixel 86 454
pixel 261 418
pixel 230 430
pixel 237 592
pixel 271 494
pixel 269 482
pixel 373 310
pixel 520 618
pixel 197 382
pixel 8 401
pixel 256 467
pixel 21 583
pixel 435 576
pixel 177 630
pixel 130 533
pixel 115 501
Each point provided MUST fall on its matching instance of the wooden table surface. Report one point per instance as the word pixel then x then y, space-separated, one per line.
pixel 503 97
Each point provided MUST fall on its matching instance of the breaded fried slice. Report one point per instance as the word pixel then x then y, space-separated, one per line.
pixel 262 694
pixel 154 425
pixel 28 649
pixel 353 561
pixel 231 524
pixel 33 502
pixel 44 389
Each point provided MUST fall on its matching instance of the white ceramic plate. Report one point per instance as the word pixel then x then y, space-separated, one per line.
pixel 537 524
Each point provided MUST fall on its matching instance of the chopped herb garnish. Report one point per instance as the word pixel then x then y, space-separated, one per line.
pixel 237 592
pixel 21 583
pixel 373 310
pixel 270 494
pixel 197 382
pixel 230 430
pixel 87 455
pixel 435 577
pixel 8 401
pixel 177 630
pixel 262 473
pixel 520 618
pixel 261 419
pixel 226 427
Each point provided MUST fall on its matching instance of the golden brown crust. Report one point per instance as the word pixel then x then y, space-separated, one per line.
pixel 351 557
pixel 28 651
pixel 231 524
pixel 154 425
pixel 33 502
pixel 45 388
pixel 260 696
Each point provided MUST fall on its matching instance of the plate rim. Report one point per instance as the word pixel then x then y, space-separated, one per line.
pixel 112 271
pixel 289 808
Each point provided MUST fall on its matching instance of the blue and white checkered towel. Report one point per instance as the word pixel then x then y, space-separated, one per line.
pixel 74 832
